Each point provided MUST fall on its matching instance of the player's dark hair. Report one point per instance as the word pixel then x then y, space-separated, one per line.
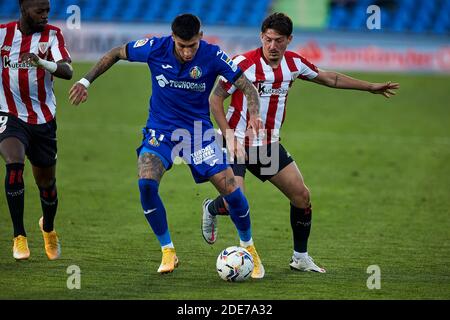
pixel 22 2
pixel 279 22
pixel 186 26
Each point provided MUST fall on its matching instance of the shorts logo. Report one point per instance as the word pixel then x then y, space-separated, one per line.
pixel 195 72
pixel 140 43
pixel 207 154
pixel 153 142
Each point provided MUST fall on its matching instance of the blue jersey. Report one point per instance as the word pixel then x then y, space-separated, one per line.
pixel 180 91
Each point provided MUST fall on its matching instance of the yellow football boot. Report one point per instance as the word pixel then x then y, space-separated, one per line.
pixel 20 248
pixel 169 261
pixel 51 242
pixel 258 269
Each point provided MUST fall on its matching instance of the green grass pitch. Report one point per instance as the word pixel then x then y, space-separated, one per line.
pixel 378 170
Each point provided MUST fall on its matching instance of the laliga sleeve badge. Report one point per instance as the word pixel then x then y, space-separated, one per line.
pixel 140 43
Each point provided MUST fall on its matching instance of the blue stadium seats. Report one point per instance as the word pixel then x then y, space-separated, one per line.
pixel 413 16
pixel 9 9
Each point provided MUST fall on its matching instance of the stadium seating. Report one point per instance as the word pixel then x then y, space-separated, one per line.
pixel 411 16
pixel 219 12
pixel 403 16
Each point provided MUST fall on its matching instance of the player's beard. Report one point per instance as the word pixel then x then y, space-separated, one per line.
pixel 36 27
pixel 39 27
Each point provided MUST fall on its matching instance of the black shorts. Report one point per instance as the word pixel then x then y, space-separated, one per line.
pixel 39 139
pixel 263 162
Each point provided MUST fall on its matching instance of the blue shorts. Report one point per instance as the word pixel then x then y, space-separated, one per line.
pixel 204 158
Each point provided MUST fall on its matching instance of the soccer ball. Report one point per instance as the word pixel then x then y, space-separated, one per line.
pixel 234 264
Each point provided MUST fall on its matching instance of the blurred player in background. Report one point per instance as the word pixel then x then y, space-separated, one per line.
pixel 183 71
pixel 272 69
pixel 32 53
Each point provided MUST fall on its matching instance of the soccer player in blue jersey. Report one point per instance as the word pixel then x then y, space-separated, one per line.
pixel 183 71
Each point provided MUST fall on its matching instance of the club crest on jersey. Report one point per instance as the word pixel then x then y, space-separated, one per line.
pixel 195 72
pixel 153 142
pixel 43 47
pixel 140 43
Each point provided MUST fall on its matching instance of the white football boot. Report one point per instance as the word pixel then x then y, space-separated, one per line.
pixel 209 224
pixel 305 264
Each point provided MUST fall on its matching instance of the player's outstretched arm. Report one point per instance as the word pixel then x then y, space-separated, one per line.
pixel 341 81
pixel 78 93
pixel 61 69
pixel 216 103
pixel 250 92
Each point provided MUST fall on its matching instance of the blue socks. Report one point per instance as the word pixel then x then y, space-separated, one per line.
pixel 240 214
pixel 154 210
pixel 156 214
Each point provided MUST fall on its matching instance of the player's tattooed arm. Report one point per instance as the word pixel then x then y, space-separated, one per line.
pixel 250 92
pixel 338 80
pixel 216 103
pixel 254 123
pixel 79 93
pixel 150 166
pixel 106 62
pixel 220 91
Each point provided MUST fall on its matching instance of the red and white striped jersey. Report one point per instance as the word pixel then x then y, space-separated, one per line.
pixel 26 91
pixel 273 86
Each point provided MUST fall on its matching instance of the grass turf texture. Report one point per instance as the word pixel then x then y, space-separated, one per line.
pixel 378 171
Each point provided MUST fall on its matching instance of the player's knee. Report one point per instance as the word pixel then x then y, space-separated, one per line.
pixel 45 182
pixel 301 198
pixel 12 150
pixel 14 157
pixel 230 185
pixel 148 186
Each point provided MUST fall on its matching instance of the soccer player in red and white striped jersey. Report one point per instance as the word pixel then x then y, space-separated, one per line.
pixel 273 69
pixel 32 54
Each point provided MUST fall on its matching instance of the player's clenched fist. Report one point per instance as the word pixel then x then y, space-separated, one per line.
pixel 31 58
pixel 78 94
